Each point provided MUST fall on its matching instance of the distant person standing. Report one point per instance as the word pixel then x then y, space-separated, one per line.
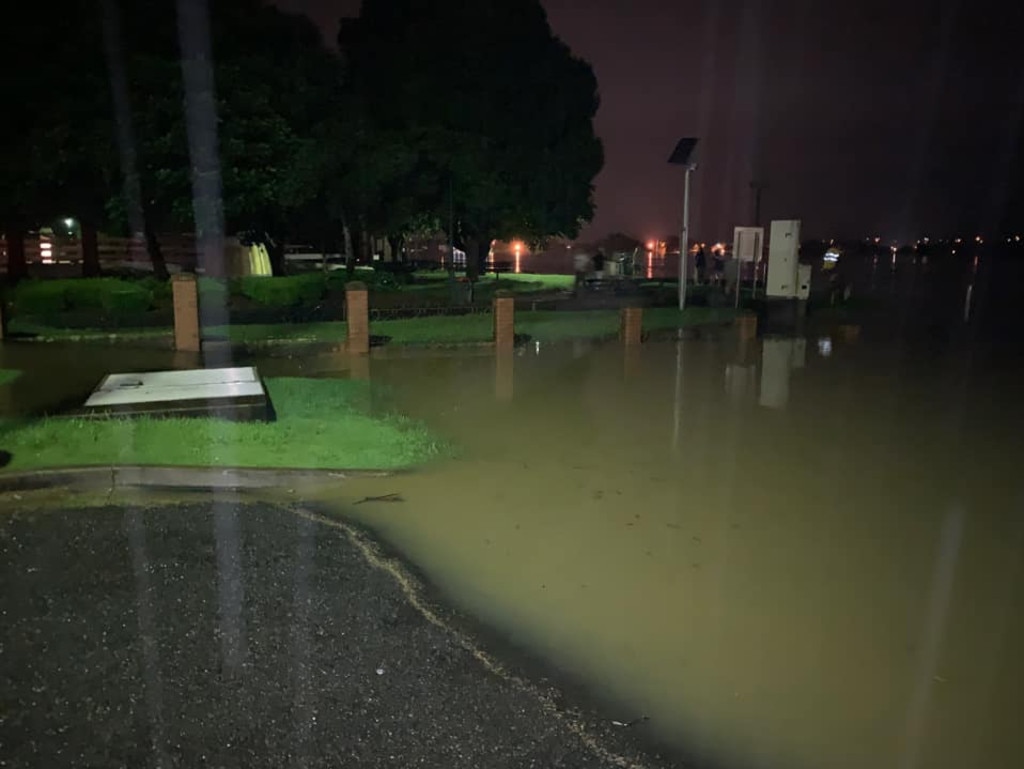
pixel 717 268
pixel 700 264
pixel 581 266
pixel 599 260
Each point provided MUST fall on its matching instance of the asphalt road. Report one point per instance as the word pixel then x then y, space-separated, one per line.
pixel 237 635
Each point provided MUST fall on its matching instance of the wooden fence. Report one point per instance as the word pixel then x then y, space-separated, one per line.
pixel 45 249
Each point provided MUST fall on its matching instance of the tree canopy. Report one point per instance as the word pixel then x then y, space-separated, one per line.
pixel 487 104
pixel 473 109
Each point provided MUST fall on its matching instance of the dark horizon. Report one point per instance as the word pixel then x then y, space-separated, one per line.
pixel 862 119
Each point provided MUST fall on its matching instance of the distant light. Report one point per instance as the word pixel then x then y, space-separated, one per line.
pixel 69 223
pixel 978 239
pixel 650 245
pixel 824 347
pixel 877 238
pixel 1017 238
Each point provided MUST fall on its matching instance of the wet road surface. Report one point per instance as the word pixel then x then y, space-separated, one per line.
pixel 221 634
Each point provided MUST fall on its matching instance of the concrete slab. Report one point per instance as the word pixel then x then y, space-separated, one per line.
pixel 233 393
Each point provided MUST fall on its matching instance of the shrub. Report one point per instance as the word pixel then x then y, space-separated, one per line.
pixel 126 299
pixel 160 290
pixel 289 291
pixel 40 297
pixel 106 295
pixel 91 293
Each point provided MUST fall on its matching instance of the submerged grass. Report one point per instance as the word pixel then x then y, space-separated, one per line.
pixel 8 375
pixel 322 424
pixel 542 325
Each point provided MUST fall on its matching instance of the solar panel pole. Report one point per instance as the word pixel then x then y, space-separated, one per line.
pixel 684 239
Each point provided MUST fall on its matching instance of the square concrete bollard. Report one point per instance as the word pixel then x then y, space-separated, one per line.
pixel 185 295
pixel 504 320
pixel 357 314
pixel 631 325
pixel 746 326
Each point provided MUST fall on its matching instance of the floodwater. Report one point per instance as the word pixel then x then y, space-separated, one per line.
pixel 790 552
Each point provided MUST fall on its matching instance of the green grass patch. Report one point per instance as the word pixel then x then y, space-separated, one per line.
pixel 50 333
pixel 334 331
pixel 531 282
pixel 437 329
pixel 661 318
pixel 8 375
pixel 322 424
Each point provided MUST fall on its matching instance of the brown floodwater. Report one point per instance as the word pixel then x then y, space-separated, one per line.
pixel 799 552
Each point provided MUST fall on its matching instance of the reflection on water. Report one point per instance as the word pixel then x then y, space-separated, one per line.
pixel 785 558
pixel 788 552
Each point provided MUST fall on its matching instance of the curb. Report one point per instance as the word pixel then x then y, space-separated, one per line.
pixel 170 477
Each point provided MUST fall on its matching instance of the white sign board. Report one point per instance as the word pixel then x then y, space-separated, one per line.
pixel 747 243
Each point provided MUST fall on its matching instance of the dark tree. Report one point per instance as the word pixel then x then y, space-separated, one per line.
pixel 56 135
pixel 484 101
pixel 273 81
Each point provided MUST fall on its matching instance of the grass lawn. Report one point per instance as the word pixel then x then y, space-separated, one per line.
pixel 8 375
pixel 322 423
pixel 291 332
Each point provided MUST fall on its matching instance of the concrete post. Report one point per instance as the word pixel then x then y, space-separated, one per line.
pixel 504 321
pixel 631 325
pixel 746 326
pixel 185 294
pixel 357 314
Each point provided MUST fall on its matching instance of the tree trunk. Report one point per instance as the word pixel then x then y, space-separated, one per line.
pixel 90 249
pixel 16 266
pixel 156 256
pixel 275 250
pixel 350 254
pixel 476 256
pixel 395 241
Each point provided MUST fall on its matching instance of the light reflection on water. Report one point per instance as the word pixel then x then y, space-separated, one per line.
pixel 784 555
pixel 788 552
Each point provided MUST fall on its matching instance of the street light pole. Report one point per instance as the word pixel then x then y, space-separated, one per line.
pixel 684 239
pixel 682 155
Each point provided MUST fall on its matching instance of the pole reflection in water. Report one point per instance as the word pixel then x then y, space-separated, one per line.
pixel 359 366
pixel 741 374
pixel 677 410
pixel 932 635
pixel 776 365
pixel 230 585
pixel 304 707
pixel 504 375
pixel 135 530
pixel 968 295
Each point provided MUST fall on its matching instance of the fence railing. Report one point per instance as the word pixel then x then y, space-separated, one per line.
pixel 49 249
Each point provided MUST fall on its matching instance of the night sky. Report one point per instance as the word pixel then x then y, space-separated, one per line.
pixel 895 118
